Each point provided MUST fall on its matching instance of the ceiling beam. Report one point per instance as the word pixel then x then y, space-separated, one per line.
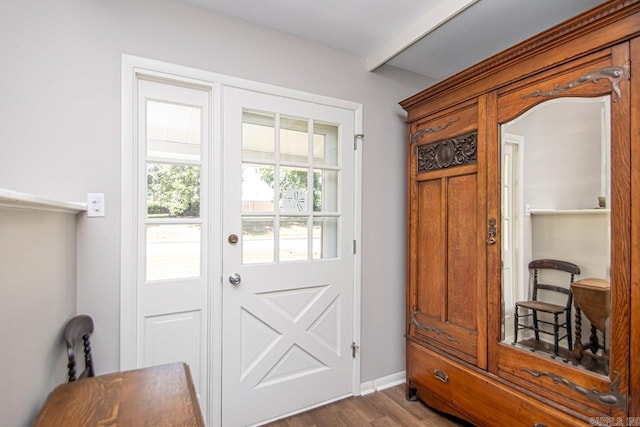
pixel 441 13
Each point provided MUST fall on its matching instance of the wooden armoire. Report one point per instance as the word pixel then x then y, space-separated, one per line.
pixel 526 155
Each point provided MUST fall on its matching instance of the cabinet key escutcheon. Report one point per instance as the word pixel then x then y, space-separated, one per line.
pixel 491 234
pixel 441 375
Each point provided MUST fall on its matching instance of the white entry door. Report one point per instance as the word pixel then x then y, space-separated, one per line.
pixel 288 263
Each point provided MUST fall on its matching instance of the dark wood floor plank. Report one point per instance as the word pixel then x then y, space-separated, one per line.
pixel 387 408
pixel 395 412
pixel 385 422
pixel 302 420
pixel 406 413
pixel 351 417
pixel 419 410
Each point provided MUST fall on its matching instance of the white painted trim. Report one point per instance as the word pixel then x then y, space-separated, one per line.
pixel 216 155
pixel 161 69
pixel 383 383
pixel 128 227
pixel 518 140
pixel 357 259
pixel 18 200
pixel 594 211
pixel 431 20
pixel 128 295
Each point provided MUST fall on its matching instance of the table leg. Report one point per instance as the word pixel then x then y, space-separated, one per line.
pixel 577 343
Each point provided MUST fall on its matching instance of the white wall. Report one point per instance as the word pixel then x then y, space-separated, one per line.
pixel 38 295
pixel 583 239
pixel 60 134
pixel 563 149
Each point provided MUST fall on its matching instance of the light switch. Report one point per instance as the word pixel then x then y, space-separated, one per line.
pixel 95 204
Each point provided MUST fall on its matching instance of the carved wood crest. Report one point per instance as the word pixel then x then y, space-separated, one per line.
pixel 458 151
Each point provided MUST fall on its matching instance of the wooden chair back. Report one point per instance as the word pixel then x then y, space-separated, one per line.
pixel 78 328
pixel 553 264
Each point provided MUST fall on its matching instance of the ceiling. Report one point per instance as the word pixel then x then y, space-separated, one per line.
pixel 435 38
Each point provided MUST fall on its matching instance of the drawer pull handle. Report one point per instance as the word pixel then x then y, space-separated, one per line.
pixel 539 425
pixel 441 375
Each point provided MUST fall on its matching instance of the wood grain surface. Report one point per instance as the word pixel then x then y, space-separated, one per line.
pixel 155 396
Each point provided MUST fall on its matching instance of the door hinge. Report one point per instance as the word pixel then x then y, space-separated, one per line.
pixel 354 348
pixel 355 140
pixel 354 247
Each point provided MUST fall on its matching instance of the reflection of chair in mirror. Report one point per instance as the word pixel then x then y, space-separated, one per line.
pixel 535 305
pixel 593 298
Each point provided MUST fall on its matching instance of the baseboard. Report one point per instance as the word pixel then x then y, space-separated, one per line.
pixel 382 383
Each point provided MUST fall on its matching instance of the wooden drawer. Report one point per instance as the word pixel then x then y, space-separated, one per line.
pixel 461 391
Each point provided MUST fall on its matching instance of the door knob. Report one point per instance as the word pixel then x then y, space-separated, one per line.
pixel 235 279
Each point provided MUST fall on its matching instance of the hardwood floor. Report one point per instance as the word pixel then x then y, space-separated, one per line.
pixel 386 408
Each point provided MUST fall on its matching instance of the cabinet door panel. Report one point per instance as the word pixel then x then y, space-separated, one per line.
pixel 444 239
pixel 461 251
pixel 432 261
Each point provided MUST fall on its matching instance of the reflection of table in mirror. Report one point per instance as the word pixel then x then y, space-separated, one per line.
pixel 593 298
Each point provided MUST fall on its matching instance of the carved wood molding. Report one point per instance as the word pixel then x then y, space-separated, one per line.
pixel 458 151
pixel 608 398
pixel 562 33
pixel 414 321
pixel 422 132
pixel 614 74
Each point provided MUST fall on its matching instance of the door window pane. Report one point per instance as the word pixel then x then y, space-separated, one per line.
pixel 293 190
pixel 294 140
pixel 275 177
pixel 173 130
pixel 258 135
pixel 173 251
pixel 258 242
pixel 257 188
pixel 325 237
pixel 293 238
pixel 325 144
pixel 506 208
pixel 325 191
pixel 506 235
pixel 506 165
pixel 173 191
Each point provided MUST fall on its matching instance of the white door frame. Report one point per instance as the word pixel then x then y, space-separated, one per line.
pixel 128 269
pixel 520 291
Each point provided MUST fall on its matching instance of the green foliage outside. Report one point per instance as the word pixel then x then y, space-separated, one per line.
pixel 295 179
pixel 173 190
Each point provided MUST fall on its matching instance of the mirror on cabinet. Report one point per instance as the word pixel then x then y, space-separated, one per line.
pixel 556 231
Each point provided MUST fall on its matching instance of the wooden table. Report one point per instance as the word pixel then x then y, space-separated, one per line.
pixel 593 297
pixel 155 396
